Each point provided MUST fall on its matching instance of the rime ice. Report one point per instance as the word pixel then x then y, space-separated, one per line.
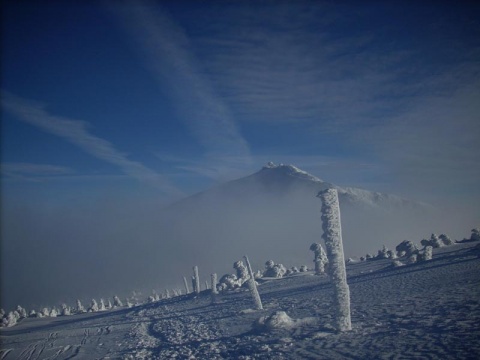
pixel 332 234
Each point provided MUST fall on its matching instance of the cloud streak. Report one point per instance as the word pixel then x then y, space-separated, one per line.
pixel 76 132
pixel 166 49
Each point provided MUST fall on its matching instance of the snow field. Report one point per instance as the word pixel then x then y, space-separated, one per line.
pixel 427 310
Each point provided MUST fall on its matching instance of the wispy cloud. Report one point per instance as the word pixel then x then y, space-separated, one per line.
pixel 286 63
pixel 76 132
pixel 33 171
pixel 166 50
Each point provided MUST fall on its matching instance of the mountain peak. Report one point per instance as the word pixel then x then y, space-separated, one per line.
pixel 290 170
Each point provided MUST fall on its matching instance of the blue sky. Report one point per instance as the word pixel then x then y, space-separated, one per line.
pixel 173 97
pixel 111 110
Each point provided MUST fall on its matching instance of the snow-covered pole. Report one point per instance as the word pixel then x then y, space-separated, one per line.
pixel 332 234
pixel 197 279
pixel 187 290
pixel 214 283
pixel 213 286
pixel 253 286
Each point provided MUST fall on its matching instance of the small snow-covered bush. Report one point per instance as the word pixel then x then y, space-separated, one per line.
pixel 383 253
pixel 242 272
pixel 93 306
pixel 10 319
pixel 45 312
pixel 80 309
pixel 274 270
pixel 427 254
pixel 65 310
pixel 22 312
pixel 228 282
pixel 412 259
pixel 397 263
pixel 475 235
pixel 117 302
pixel 53 312
pixel 446 240
pixel 303 268
pixel 32 313
pixel 392 254
pixel 278 320
pixel 102 305
pixel 320 259
pixel 408 247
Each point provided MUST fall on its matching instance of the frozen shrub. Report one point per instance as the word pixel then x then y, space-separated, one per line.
pixel 45 312
pixel 93 306
pixel 278 320
pixel 32 313
pixel 397 263
pixel 294 270
pixel 22 312
pixel 362 258
pixel 102 305
pixel 9 320
pixel 303 268
pixel 427 254
pixel 117 302
pixel 228 282
pixel 383 253
pixel 412 259
pixel 320 259
pixel 435 241
pixel 425 242
pixel 475 235
pixel 80 309
pixel 129 304
pixel 274 270
pixel 151 299
pixel 368 257
pixel 446 240
pixel 242 272
pixel 53 312
pixel 65 310
pixel 408 247
pixel 392 254
pixel 109 304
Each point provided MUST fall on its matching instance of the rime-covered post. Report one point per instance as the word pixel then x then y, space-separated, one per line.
pixel 214 283
pixel 253 286
pixel 197 279
pixel 332 234
pixel 187 290
pixel 213 286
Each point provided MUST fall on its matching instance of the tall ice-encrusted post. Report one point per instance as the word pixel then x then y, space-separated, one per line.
pixel 187 290
pixel 197 279
pixel 214 283
pixel 332 234
pixel 253 286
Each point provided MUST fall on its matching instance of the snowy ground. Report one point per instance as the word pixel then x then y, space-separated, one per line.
pixel 424 311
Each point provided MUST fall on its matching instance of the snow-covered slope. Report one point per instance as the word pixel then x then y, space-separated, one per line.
pixel 428 310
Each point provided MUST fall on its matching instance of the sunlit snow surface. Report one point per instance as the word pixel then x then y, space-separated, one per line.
pixel 422 311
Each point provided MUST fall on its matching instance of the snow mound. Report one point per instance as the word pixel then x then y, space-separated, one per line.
pixel 280 320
